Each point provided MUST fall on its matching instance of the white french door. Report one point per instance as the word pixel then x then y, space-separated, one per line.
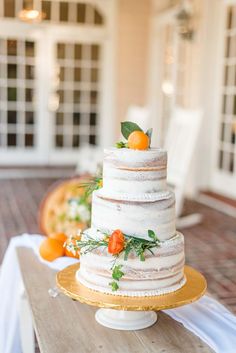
pixel 55 84
pixel 19 116
pixel 224 171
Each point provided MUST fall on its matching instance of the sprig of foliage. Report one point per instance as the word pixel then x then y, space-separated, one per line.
pixel 121 144
pixel 91 185
pixel 88 245
pixel 114 286
pixel 140 246
pixel 117 274
pixel 137 245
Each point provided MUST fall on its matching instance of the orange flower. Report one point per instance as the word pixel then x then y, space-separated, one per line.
pixel 116 242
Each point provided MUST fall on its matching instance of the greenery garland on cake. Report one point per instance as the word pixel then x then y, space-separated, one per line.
pixel 117 244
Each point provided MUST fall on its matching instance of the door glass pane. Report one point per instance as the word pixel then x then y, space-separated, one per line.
pixel 29 49
pixel 12 94
pixel 9 8
pixel 98 19
pixel 11 47
pixel 64 11
pixel 11 117
pixel 12 71
pixel 29 118
pixel 46 8
pixel 11 140
pixel 81 8
pixel 29 72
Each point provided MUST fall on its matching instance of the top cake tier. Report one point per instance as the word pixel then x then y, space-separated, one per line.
pixel 127 171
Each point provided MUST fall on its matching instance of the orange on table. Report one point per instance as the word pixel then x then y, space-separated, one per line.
pixel 138 140
pixel 69 241
pixel 59 236
pixel 50 249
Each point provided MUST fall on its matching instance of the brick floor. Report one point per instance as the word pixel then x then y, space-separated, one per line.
pixel 210 246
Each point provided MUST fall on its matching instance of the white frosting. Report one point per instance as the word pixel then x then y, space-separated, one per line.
pixel 161 272
pixel 141 197
pixel 134 218
pixel 135 158
pixel 134 172
pixel 168 254
pixel 86 280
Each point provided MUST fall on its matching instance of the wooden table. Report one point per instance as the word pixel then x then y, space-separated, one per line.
pixel 66 326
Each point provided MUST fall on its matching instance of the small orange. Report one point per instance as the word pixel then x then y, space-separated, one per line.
pixel 59 236
pixel 138 140
pixel 68 252
pixel 50 249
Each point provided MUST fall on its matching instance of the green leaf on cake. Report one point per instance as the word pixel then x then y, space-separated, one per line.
pixel 142 256
pixel 127 251
pixel 127 127
pixel 114 286
pixel 149 134
pixel 152 235
pixel 117 273
pixel 121 144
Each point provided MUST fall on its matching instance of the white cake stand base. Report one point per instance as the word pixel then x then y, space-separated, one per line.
pixel 125 320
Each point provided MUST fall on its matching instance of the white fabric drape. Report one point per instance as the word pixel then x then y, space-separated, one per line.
pixel 206 318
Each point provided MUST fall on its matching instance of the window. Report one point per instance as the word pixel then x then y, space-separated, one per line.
pixel 59 11
pixel 227 143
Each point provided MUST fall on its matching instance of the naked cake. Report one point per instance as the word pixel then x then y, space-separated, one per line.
pixel 132 247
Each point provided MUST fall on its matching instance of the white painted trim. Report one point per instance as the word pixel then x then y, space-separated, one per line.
pixel 15 173
pixel 217 205
pixel 159 21
pixel 154 78
pixel 107 111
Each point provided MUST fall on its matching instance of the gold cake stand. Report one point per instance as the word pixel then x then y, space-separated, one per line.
pixel 131 313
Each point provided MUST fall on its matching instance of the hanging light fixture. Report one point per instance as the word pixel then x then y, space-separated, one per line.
pixel 185 20
pixel 31 12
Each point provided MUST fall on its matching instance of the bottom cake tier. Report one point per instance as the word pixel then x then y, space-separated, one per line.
pixel 162 271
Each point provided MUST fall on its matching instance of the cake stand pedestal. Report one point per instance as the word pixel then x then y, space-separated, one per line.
pixel 130 313
pixel 125 320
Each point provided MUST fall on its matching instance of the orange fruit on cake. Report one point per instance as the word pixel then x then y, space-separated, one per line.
pixel 68 252
pixel 50 249
pixel 138 140
pixel 59 236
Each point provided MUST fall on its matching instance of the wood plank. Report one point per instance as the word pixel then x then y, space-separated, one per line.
pixel 63 325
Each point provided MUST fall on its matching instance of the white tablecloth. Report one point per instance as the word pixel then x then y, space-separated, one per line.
pixel 206 318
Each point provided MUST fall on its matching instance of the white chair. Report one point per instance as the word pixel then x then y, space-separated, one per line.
pixel 90 159
pixel 180 142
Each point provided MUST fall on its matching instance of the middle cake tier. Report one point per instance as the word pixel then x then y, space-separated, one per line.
pixel 134 217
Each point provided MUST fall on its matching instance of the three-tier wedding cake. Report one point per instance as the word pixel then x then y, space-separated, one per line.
pixel 132 247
